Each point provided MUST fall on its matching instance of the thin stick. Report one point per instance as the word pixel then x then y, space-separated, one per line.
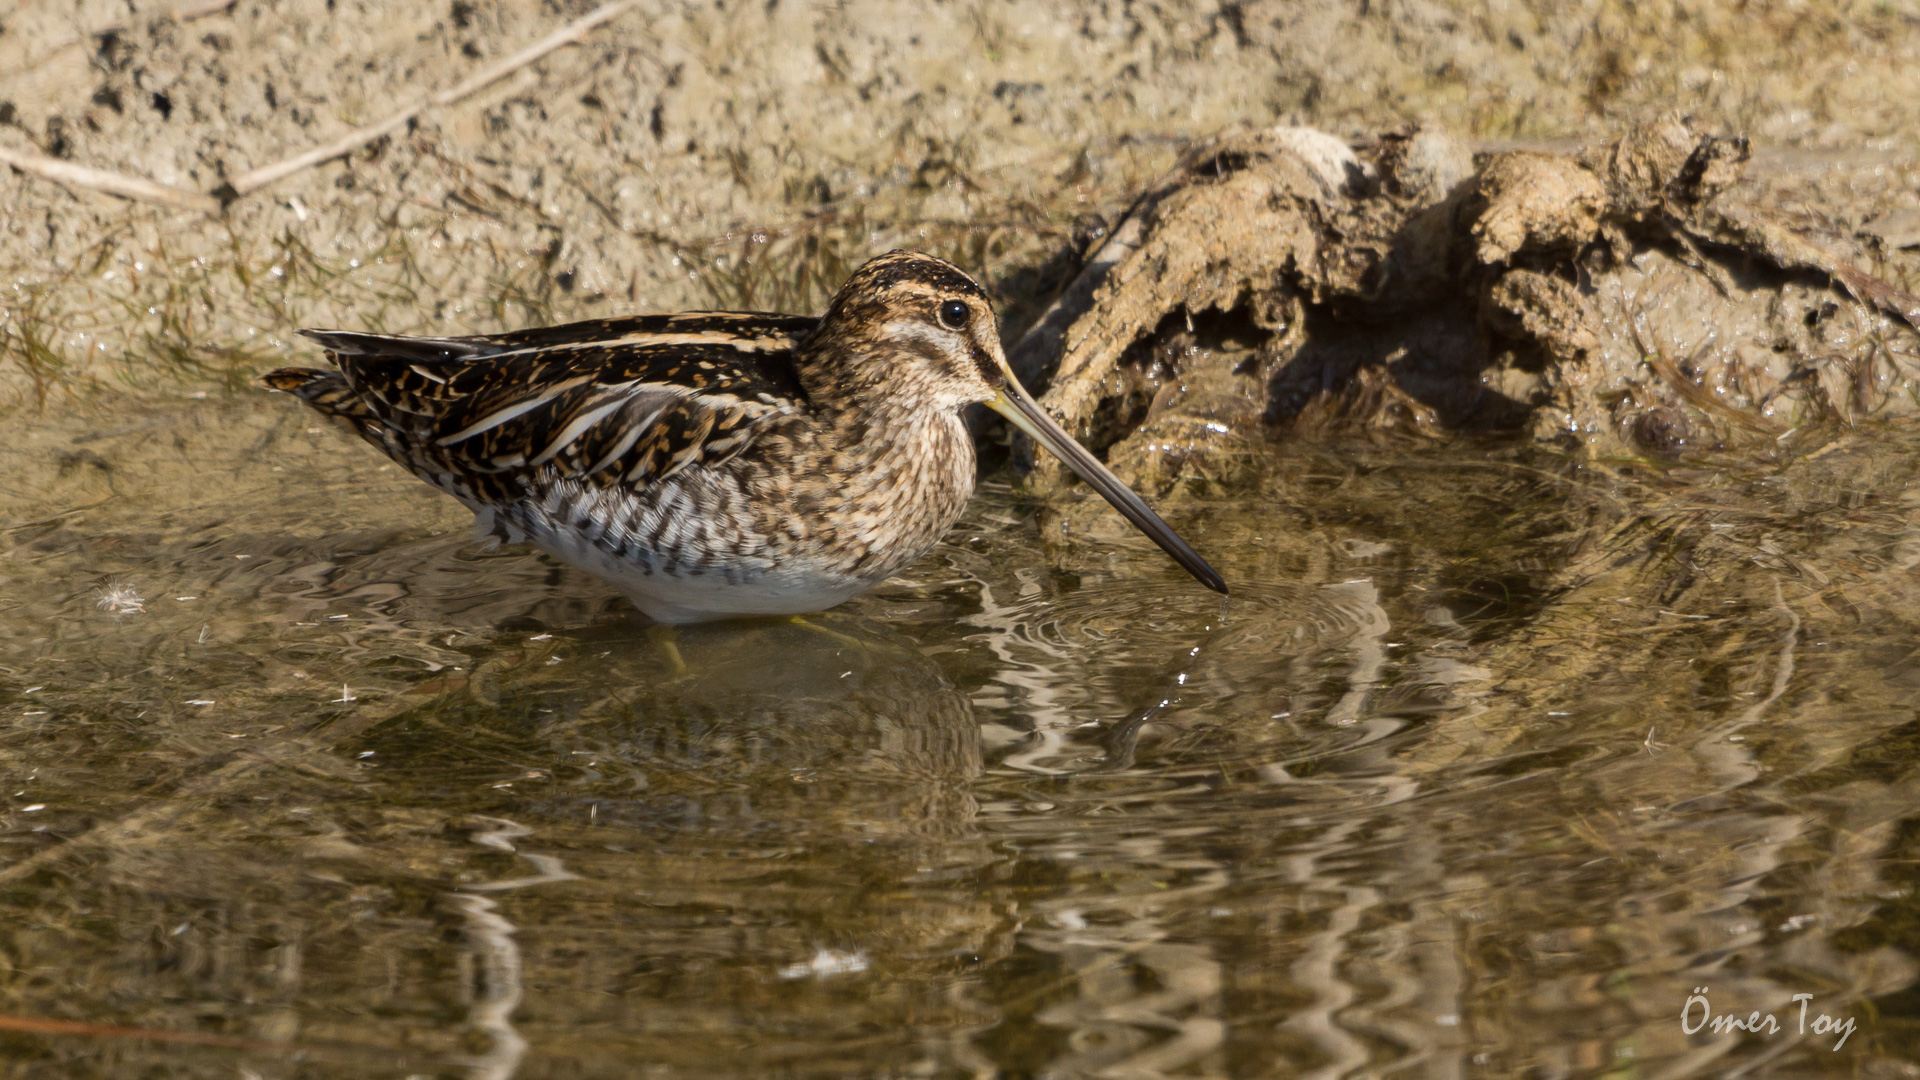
pixel 249 182
pixel 111 183
pixel 190 12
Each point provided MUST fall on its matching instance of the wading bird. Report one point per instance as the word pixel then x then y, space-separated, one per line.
pixel 714 464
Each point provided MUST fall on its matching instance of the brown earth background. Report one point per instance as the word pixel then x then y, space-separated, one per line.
pixel 747 154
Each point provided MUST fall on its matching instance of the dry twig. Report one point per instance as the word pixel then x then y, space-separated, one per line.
pixel 127 187
pixel 190 12
pixel 252 181
pixel 133 187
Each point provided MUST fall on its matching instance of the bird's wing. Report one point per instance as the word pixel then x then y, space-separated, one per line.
pixel 629 401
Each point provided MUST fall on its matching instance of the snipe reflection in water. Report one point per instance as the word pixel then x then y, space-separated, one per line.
pixel 1402 814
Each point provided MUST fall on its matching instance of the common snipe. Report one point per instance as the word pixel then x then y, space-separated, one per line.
pixel 714 464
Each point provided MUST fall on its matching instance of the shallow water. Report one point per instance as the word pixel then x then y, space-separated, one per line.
pixel 1487 765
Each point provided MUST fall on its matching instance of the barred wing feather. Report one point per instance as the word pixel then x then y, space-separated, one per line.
pixel 616 401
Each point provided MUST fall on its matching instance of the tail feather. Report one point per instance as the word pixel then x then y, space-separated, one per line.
pixel 393 347
pixel 293 380
pixel 331 395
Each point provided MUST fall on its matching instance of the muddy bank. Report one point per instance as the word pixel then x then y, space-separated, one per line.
pixel 748 155
pixel 1644 297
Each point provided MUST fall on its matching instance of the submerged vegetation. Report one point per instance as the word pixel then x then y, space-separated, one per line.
pixel 132 316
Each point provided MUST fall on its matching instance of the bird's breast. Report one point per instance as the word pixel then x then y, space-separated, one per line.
pixel 879 497
pixel 808 512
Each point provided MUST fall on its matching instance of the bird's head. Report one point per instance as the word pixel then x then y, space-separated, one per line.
pixel 918 332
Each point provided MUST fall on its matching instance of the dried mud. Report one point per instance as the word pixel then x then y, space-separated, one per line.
pixel 1640 298
pixel 747 155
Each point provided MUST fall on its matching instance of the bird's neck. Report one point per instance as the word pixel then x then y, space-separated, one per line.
pixel 889 452
pixel 886 428
pixel 866 399
pixel 883 422
pixel 901 462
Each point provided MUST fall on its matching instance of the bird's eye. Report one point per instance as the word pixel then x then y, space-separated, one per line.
pixel 954 314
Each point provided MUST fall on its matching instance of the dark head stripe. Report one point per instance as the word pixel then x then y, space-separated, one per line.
pixel 887 272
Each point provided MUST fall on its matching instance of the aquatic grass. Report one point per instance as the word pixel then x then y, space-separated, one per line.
pixel 517 293
pixel 796 269
pixel 24 342
pixel 218 318
pixel 183 313
pixel 138 314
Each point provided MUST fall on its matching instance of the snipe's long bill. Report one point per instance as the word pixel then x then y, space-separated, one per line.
pixel 714 464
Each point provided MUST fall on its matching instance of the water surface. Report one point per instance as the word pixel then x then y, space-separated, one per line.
pixel 1488 764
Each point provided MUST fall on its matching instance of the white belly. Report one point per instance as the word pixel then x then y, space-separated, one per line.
pixel 670 593
pixel 682 596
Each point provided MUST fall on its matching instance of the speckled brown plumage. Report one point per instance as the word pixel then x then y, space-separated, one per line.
pixel 707 463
